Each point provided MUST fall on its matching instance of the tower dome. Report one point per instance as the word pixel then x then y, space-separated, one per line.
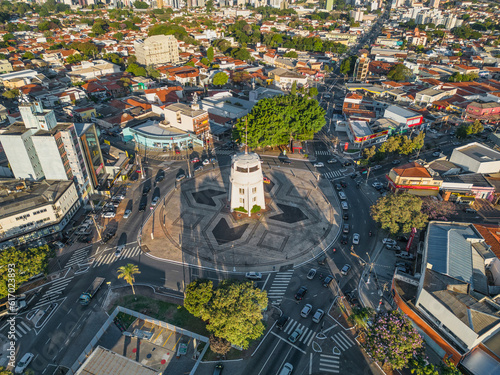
pixel 246 182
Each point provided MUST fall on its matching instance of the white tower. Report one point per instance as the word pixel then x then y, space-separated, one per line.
pixel 247 183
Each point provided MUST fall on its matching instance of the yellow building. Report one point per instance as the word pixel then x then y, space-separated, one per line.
pixel 415 179
pixel 85 113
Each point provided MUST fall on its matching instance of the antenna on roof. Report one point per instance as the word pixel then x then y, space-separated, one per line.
pixel 246 135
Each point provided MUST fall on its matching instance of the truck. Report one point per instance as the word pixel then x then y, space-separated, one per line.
pixel 86 296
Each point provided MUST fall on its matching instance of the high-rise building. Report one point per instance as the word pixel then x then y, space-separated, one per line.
pixel 41 148
pixel 361 68
pixel 434 4
pixel 157 49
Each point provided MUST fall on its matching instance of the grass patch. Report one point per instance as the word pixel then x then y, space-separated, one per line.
pixel 165 311
pixel 126 319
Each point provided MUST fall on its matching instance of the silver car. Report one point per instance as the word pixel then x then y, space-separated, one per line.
pixel 295 335
pixel 306 310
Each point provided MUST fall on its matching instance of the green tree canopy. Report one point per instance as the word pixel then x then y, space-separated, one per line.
pixel 274 121
pixel 141 5
pixel 27 263
pixel 220 79
pixel 118 36
pixel 137 70
pixel 291 54
pixel 399 72
pixel 210 53
pixel 399 213
pixel 392 339
pixel 233 311
pixel 8 36
pixel 347 65
pixel 11 94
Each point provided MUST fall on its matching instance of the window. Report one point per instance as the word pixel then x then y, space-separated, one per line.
pixel 242 201
pixel 254 190
pixel 254 199
pixel 242 191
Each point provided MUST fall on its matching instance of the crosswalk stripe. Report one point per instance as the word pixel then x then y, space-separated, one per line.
pixel 346 339
pixel 340 343
pixel 27 327
pixel 20 328
pixel 310 340
pixel 291 326
pixel 306 339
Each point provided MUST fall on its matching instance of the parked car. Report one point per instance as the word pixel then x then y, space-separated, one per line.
pixel 108 215
pixel 338 187
pixel 180 177
pixel 306 310
pixel 311 274
pixel 198 168
pixel 355 238
pixel 345 228
pixel 318 165
pixel 119 250
pixel 342 195
pixel 436 153
pixel 396 162
pixel 318 315
pixel 24 363
pixel 332 160
pixel 253 275
pixel 301 293
pixel 321 260
pixel 377 185
pixel 392 247
pixel 345 270
pixel 206 162
pixel 344 205
pixel 345 216
pixel 127 213
pixel 295 335
pixel 282 321
pixel 146 189
pixel 405 255
pixel 160 176
pixel 344 239
pixel 376 167
pixel 389 241
pixel 327 280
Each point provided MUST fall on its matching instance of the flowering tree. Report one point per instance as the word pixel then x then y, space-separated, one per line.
pixel 392 340
pixel 438 210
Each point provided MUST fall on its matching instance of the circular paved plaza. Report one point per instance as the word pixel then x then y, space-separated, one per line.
pixel 195 225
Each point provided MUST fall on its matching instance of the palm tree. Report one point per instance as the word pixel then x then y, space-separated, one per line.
pixel 127 273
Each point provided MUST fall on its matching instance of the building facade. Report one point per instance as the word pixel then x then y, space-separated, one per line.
pixel 483 111
pixel 361 68
pixel 157 49
pixel 415 179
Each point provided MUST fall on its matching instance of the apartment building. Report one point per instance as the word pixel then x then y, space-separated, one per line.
pixel 157 49
pixel 361 68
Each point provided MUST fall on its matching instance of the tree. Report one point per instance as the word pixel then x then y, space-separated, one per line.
pixel 27 263
pixel 218 345
pixel 152 72
pixel 449 368
pixel 476 127
pixel 360 316
pixel 392 340
pixel 205 61
pixel 276 121
pixel 420 366
pixel 462 131
pixel 347 65
pixel 233 311
pixel 28 55
pixel 136 70
pixel 118 36
pixel 399 72
pixel 8 37
pixel 293 91
pixel 240 54
pixel 241 77
pixel 210 53
pixel 127 273
pixel 399 213
pixel 418 141
pixel 291 54
pixel 4 371
pixel 313 91
pixel 141 5
pixel 220 79
pixel 369 153
pixel 438 210
pixel 11 94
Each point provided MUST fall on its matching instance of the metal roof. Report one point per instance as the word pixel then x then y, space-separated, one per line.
pixel 449 250
pixel 479 152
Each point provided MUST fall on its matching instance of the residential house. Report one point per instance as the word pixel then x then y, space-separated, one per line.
pixel 415 179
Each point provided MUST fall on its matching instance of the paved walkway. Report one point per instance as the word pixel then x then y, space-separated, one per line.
pixel 194 225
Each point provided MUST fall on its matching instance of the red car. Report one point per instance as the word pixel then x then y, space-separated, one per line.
pixel 267 180
pixel 177 151
pixel 195 160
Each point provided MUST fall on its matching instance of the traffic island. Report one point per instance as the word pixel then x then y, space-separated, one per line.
pixel 194 225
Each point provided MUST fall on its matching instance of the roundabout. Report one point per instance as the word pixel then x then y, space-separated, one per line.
pixel 195 225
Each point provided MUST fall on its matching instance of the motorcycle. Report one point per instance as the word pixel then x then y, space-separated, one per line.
pixel 370 233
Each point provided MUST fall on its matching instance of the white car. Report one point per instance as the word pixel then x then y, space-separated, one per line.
pixel 306 310
pixel 119 250
pixel 253 275
pixel 332 160
pixel 318 165
pixel 355 238
pixel 23 363
pixel 206 162
pixel 318 315
pixel 108 214
pixel 375 167
pixel 295 335
pixel 405 255
pixel 344 205
pixel 155 200
pixel 126 214
pixel 389 241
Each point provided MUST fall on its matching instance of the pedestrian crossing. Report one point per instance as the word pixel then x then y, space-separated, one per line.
pixel 329 363
pixel 54 291
pixel 280 285
pixel 342 341
pixel 307 333
pixel 322 152
pixel 332 174
pixel 109 258
pixel 79 256
pixel 21 329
